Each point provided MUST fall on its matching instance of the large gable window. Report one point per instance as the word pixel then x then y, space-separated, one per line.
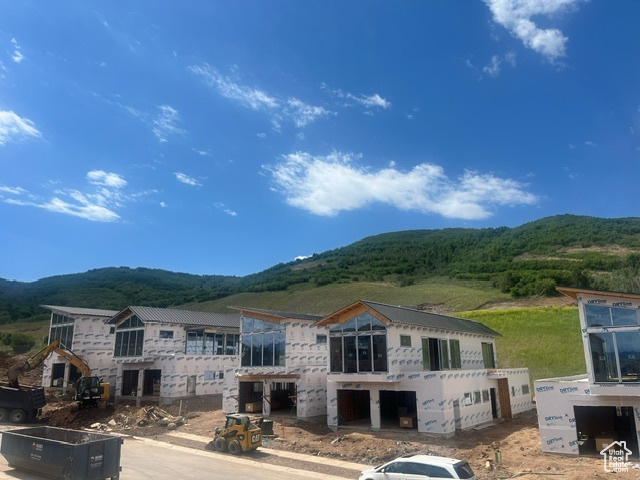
pixel 614 343
pixel 359 345
pixel 263 343
pixel 129 338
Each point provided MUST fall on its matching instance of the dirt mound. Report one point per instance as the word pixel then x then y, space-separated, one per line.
pixel 30 378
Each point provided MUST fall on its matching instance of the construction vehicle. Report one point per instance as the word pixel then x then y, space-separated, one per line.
pixel 238 435
pixel 89 389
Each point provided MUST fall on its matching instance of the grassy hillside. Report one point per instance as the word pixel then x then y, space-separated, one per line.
pixel 526 261
pixel 546 340
pixel 443 293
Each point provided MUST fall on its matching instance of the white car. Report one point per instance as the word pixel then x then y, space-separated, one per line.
pixel 420 467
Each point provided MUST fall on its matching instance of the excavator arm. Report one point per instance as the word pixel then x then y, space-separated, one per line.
pixel 39 357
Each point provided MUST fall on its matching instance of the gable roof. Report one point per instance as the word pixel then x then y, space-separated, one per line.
pixel 179 317
pixel 90 312
pixel 574 292
pixel 420 318
pixel 276 313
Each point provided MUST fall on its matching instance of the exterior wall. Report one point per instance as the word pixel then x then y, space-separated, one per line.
pixel 437 392
pixel 92 343
pixel 556 399
pixel 304 357
pixel 436 395
pixel 409 359
pixel 168 355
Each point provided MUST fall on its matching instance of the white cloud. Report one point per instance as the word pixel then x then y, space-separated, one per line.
pixel 328 185
pixel 14 127
pixel 261 135
pixel 165 123
pixel 17 55
pixel 12 190
pixel 589 143
pixel 516 16
pixel 289 108
pixel 303 114
pixel 249 97
pixel 374 100
pixel 100 177
pixel 98 205
pixel 228 211
pixel 495 66
pixel 187 180
pixel 303 257
pixel 369 101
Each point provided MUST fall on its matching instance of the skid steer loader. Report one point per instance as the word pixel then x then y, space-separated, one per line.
pixel 238 435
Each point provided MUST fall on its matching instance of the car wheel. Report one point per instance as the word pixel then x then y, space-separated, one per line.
pixel 4 415
pixel 17 416
pixel 234 447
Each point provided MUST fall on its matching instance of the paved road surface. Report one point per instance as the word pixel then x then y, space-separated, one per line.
pixel 146 459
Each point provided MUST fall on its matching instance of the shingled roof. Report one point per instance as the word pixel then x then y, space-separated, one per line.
pixel 411 316
pixel 179 317
pixel 89 312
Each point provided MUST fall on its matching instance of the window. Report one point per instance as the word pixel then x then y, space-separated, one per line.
pixel 263 343
pixel 467 399
pixel 525 389
pixel 513 391
pixel 112 330
pixel 321 339
pixel 200 342
pixel 454 348
pixel 435 354
pixel 129 338
pixel 166 334
pixel 614 343
pixel 485 395
pixel 476 397
pixel 615 356
pixel 358 345
pixel 487 355
pixel 405 340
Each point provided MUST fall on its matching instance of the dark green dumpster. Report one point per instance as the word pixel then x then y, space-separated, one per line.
pixel 63 453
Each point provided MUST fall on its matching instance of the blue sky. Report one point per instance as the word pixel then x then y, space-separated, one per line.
pixel 225 137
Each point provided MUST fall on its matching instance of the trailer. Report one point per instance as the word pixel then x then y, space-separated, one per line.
pixel 21 404
pixel 62 453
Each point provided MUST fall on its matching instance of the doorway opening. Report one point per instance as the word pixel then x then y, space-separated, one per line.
pixel 599 426
pixel 283 397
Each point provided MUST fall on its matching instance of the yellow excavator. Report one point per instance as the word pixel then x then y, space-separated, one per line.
pixel 89 389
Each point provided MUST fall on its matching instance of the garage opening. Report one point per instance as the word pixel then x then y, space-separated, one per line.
pixel 597 426
pixel 283 397
pixel 398 409
pixel 250 397
pixel 151 382
pixel 354 407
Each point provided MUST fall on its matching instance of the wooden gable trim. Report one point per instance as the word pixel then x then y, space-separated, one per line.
pixel 353 310
pixel 262 316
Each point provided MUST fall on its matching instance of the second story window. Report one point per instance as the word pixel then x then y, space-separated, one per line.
pixel 129 338
pixel 614 343
pixel 359 345
pixel 487 355
pixel 62 330
pixel 200 342
pixel 263 343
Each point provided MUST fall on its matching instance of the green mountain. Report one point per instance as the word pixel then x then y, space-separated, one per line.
pixel 401 267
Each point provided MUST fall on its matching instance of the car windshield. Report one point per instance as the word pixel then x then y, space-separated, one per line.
pixel 463 470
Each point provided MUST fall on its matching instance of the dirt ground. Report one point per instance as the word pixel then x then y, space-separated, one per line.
pixel 517 440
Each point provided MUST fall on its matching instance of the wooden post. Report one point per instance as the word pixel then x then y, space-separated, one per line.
pixel 283 435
